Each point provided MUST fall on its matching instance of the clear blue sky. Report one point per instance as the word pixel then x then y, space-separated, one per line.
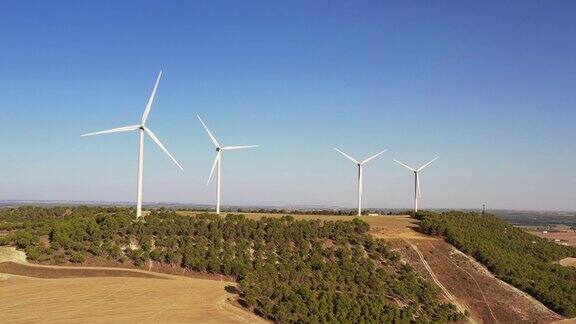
pixel 488 86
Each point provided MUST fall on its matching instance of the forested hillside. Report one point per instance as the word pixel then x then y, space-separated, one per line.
pixel 519 258
pixel 288 270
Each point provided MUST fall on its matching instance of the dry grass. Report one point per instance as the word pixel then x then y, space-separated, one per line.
pixel 98 294
pixel 9 253
pixel 118 299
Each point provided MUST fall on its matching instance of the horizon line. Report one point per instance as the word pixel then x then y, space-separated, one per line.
pixel 22 202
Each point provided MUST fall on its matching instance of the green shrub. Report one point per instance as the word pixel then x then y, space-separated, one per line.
pixel 24 238
pixel 33 253
pixel 77 257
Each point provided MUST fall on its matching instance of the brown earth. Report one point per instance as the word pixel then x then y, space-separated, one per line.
pixel 150 267
pixel 49 272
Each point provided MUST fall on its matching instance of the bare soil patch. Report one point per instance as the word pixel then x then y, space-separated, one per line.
pixel 568 262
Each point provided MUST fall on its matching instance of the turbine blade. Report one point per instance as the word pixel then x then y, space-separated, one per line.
pixel 404 165
pixel 151 99
pixel 216 159
pixel 238 147
pixel 348 156
pixel 209 133
pixel 373 156
pixel 114 130
pixel 418 185
pixel 427 164
pixel 157 141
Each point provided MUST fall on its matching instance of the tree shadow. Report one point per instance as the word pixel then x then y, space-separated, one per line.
pixel 232 289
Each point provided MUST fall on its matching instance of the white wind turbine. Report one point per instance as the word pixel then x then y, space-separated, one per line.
pixel 142 129
pixel 359 164
pixel 218 161
pixel 417 192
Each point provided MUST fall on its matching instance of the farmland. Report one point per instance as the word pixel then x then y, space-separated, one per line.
pixel 461 281
pixel 131 296
pixel 286 269
pixel 559 237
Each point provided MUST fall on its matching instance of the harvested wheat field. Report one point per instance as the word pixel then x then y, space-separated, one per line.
pixel 122 298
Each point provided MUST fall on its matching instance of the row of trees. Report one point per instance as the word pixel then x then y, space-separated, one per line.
pixel 521 259
pixel 287 270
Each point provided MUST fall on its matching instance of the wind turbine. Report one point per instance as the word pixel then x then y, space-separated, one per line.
pixel 417 192
pixel 359 164
pixel 141 128
pixel 218 161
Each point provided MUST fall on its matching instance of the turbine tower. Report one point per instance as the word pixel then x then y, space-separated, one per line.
pixel 417 192
pixel 218 161
pixel 360 165
pixel 141 128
